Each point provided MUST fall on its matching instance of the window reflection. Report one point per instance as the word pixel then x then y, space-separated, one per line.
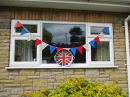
pixel 97 30
pixel 65 36
pixel 30 28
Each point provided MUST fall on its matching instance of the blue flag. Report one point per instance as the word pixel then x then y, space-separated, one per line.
pixel 92 43
pixel 73 50
pixel 106 30
pixel 24 30
pixel 52 48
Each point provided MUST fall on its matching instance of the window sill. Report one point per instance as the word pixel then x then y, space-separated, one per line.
pixel 39 67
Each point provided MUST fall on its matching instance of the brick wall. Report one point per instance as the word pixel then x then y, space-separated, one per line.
pixel 13 82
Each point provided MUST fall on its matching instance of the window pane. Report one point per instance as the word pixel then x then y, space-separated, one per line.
pixel 30 28
pixel 97 30
pixel 101 52
pixel 65 36
pixel 25 51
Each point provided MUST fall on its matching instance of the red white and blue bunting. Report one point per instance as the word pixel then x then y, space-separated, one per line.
pixel 52 48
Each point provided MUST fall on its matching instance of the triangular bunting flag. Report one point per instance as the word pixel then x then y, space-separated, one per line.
pixel 37 42
pixel 92 43
pixel 18 24
pixel 80 49
pixel 97 40
pixel 52 48
pixel 24 31
pixel 101 35
pixel 86 46
pixel 66 48
pixel 106 30
pixel 44 45
pixel 31 37
pixel 73 50
pixel 58 48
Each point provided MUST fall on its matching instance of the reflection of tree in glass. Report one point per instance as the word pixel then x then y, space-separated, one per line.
pixel 47 38
pixel 77 40
pixel 80 58
pixel 82 40
pixel 75 32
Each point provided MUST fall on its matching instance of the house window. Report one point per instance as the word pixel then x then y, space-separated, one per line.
pixel 64 36
pixel 101 52
pixel 25 51
pixel 31 28
pixel 24 54
pixel 97 30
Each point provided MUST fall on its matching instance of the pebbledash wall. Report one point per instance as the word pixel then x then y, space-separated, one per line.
pixel 13 82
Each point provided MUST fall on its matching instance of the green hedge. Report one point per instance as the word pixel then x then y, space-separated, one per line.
pixel 80 87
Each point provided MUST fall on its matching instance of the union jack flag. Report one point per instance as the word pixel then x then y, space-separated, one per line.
pixel 64 58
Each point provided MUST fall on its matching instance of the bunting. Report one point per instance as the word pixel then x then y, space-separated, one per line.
pixel 92 43
pixel 18 24
pixel 106 30
pixel 97 40
pixel 73 50
pixel 37 42
pixel 31 37
pixel 24 30
pixel 101 35
pixel 63 50
pixel 58 48
pixel 80 49
pixel 52 48
pixel 86 46
pixel 66 48
pixel 44 45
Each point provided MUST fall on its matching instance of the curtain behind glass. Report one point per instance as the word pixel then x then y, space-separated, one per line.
pixel 24 47
pixel 101 52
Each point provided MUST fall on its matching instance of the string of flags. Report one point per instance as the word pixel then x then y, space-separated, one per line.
pixel 31 37
pixel 52 48
pixel 101 35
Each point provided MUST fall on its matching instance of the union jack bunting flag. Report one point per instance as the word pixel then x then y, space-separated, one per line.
pixel 64 58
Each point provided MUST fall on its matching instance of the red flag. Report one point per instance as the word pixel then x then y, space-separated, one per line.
pixel 80 49
pixel 58 48
pixel 37 42
pixel 18 24
pixel 97 40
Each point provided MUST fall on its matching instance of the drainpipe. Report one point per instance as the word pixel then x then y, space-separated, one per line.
pixel 127 51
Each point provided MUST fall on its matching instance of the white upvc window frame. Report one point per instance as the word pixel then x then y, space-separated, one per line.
pixel 57 22
pixel 108 38
pixel 38 64
pixel 102 63
pixel 100 25
pixel 30 22
pixel 12 53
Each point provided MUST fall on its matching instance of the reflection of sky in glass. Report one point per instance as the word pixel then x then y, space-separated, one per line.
pixel 59 32
pixel 97 30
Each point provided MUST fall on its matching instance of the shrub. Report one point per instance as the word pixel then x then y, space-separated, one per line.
pixel 80 87
pixel 43 93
